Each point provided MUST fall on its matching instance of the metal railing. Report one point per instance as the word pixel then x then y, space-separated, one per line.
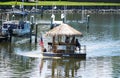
pixel 82 49
pixel 67 49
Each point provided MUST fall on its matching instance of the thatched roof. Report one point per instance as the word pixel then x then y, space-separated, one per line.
pixel 63 30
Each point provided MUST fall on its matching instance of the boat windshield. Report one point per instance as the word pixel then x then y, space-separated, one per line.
pixel 13 26
pixel 5 26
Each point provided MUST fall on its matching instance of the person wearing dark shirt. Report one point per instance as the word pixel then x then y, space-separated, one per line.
pixel 78 44
pixel 73 40
pixel 67 40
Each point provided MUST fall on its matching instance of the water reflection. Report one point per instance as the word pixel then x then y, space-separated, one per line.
pixel 13 65
pixel 60 68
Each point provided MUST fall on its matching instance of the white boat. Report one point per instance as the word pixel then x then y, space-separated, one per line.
pixel 18 27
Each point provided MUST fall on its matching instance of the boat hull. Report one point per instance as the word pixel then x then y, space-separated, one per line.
pixel 65 55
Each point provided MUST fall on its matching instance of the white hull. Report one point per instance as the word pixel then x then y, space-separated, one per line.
pixel 17 27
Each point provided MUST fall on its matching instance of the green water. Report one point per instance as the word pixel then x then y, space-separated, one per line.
pixel 21 59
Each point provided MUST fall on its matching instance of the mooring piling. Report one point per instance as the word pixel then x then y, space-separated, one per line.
pixel 36 32
pixel 88 20
pixel 63 17
pixel 31 29
pixel 33 26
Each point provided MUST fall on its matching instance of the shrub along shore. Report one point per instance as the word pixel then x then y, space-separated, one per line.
pixel 60 3
pixel 89 7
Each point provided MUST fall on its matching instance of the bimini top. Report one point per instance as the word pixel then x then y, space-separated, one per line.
pixel 63 30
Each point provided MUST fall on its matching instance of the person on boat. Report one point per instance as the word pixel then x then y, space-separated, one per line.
pixel 73 47
pixel 67 39
pixel 73 40
pixel 78 45
pixel 44 50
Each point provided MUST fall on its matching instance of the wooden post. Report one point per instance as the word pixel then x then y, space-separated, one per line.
pixel 31 32
pixel 10 30
pixel 30 35
pixel 63 17
pixel 51 23
pixel 36 33
pixel 88 19
pixel 63 20
pixel 31 28
pixel 42 9
pixel 10 38
pixel 52 20
pixel 1 19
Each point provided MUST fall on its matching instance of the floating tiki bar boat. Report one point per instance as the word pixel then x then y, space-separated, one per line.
pixel 62 45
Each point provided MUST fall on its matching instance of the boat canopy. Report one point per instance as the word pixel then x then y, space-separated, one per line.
pixel 62 35
pixel 63 30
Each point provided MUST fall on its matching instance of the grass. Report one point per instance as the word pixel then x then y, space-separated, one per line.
pixel 60 3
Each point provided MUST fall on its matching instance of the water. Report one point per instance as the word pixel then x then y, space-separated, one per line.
pixel 20 59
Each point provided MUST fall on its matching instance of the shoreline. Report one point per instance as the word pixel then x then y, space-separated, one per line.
pixel 92 11
pixel 68 9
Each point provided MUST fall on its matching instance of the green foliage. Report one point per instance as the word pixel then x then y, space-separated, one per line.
pixel 60 3
pixel 114 1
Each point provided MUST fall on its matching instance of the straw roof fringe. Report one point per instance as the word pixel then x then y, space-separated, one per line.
pixel 63 30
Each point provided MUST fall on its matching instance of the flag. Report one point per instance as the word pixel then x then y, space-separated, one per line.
pixel 41 43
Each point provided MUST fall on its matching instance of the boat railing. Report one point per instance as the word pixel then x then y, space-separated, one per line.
pixel 82 50
pixel 67 49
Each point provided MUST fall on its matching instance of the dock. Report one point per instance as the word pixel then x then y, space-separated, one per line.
pixel 44 22
pixel 3 38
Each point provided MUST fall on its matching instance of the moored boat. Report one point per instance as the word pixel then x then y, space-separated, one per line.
pixel 18 27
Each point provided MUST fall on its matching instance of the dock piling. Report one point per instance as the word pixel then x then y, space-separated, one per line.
pixel 32 26
pixel 42 9
pixel 52 19
pixel 36 33
pixel 63 17
pixel 31 32
pixel 88 19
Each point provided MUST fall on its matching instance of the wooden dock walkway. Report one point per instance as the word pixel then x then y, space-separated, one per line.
pixel 3 38
pixel 43 22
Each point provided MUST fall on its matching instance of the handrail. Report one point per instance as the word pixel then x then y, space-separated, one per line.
pixel 83 49
pixel 66 49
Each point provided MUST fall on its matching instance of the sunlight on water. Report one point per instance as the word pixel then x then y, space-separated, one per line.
pixel 97 68
pixel 103 48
